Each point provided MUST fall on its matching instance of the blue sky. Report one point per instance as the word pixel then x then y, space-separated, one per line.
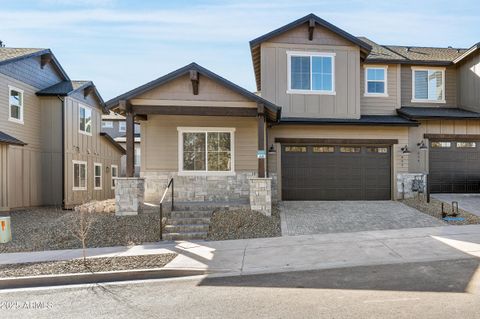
pixel 121 44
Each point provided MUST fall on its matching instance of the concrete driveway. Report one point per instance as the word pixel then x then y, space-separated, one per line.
pixel 316 217
pixel 468 202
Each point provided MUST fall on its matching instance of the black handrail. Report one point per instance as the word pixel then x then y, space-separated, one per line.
pixel 170 183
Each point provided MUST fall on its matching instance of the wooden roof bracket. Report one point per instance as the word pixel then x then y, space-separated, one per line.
pixel 45 59
pixel 88 90
pixel 194 77
pixel 311 27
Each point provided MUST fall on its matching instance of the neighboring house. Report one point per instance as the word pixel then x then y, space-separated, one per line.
pixel 357 120
pixel 51 148
pixel 114 125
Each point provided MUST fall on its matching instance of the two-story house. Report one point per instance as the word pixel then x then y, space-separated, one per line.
pixel 51 148
pixel 115 125
pixel 336 117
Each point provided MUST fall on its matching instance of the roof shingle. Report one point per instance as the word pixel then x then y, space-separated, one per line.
pixel 13 53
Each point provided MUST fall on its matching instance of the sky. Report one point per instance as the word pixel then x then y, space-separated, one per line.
pixel 121 44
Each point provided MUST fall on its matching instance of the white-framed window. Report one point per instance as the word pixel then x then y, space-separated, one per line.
pixel 206 151
pixel 114 175
pixel 15 104
pixel 97 176
pixel 107 124
pixel 122 126
pixel 311 72
pixel 428 85
pixel 84 119
pixel 137 156
pixel 376 80
pixel 79 175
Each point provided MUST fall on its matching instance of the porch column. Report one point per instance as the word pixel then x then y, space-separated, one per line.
pixel 130 138
pixel 261 154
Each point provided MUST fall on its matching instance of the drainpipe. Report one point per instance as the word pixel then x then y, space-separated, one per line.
pixel 63 150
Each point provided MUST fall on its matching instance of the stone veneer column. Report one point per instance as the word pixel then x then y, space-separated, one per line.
pixel 129 195
pixel 261 195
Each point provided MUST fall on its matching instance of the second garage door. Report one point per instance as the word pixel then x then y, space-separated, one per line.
pixel 318 172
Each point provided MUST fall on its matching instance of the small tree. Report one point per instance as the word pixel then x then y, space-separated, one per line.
pixel 81 225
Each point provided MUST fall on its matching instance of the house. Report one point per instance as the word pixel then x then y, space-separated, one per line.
pixel 336 117
pixel 51 148
pixel 114 125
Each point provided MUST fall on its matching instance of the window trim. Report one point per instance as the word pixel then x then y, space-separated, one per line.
pixel 82 106
pixel 73 174
pixel 124 126
pixel 181 130
pixel 95 176
pixel 385 81
pixel 418 68
pixel 290 54
pixel 22 106
pixel 110 124
pixel 112 180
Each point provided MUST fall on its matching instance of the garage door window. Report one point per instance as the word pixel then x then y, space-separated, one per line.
pixel 466 144
pixel 350 149
pixel 441 144
pixel 380 150
pixel 323 149
pixel 296 149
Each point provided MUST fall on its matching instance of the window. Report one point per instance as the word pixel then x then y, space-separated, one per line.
pixel 107 124
pixel 295 149
pixel 428 85
pixel 114 175
pixel 311 73
pixel 122 126
pixel 350 149
pixel 466 144
pixel 441 144
pixel 376 81
pixel 323 149
pixel 85 118
pixel 97 176
pixel 381 150
pixel 79 175
pixel 16 104
pixel 137 156
pixel 206 150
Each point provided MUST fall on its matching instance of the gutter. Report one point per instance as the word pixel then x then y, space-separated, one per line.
pixel 63 150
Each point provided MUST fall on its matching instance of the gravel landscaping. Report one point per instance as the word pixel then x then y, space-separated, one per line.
pixel 243 224
pixel 434 208
pixel 50 229
pixel 91 266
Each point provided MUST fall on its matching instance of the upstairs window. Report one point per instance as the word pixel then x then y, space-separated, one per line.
pixel 16 105
pixel 122 126
pixel 85 120
pixel 107 124
pixel 311 73
pixel 428 85
pixel 376 81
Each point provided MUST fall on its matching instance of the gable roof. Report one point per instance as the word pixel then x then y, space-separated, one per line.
pixel 10 55
pixel 66 88
pixel 412 54
pixel 467 53
pixel 272 109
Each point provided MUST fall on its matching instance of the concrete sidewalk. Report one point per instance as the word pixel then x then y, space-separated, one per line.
pixel 305 252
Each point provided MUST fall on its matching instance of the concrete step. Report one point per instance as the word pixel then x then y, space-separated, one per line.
pixel 200 206
pixel 187 228
pixel 189 221
pixel 191 214
pixel 185 236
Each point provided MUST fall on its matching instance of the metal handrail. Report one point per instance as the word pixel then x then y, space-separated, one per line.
pixel 170 183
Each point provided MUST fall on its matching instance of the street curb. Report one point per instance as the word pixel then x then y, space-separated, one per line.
pixel 93 278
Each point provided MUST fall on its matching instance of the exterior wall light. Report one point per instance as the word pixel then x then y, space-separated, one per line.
pixel 422 146
pixel 405 150
pixel 272 149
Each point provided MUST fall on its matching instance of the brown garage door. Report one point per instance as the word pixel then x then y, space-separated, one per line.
pixel 454 167
pixel 317 172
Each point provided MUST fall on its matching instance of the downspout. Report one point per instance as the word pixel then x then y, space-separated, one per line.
pixel 63 150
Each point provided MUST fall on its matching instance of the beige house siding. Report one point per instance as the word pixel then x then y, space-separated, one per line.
pixel 381 105
pixel 3 177
pixel 450 88
pixel 91 149
pixel 399 161
pixel 469 83
pixel 159 145
pixel 418 160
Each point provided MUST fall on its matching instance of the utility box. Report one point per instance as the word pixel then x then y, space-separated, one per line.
pixel 5 230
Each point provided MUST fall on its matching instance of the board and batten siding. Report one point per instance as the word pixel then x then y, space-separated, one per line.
pixel 159 145
pixel 3 177
pixel 381 105
pixel 91 149
pixel 468 74
pixel 399 161
pixel 274 74
pixel 450 88
pixel 418 160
